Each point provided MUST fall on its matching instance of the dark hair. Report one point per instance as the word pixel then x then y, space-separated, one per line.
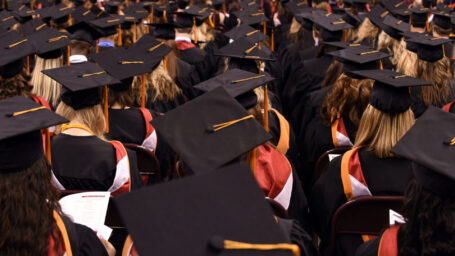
pixel 80 48
pixel 125 98
pixel 430 226
pixel 333 72
pixel 28 200
pixel 17 85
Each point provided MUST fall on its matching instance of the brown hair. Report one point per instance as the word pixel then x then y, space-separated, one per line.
pixel 28 200
pixel 379 131
pixel 442 31
pixel 80 48
pixel 123 98
pixel 15 86
pixel 258 110
pixel 367 30
pixel 348 95
pixel 333 72
pixel 395 47
pixel 92 117
pixel 407 62
pixel 438 73
pixel 44 86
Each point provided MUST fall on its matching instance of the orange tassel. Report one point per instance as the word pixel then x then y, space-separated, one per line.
pixel 134 32
pixel 97 48
pixel 165 63
pixel 48 146
pixel 147 29
pixel 106 108
pixel 380 65
pixel 272 44
pixel 266 108
pixel 68 54
pixel 265 28
pixel 345 36
pixel 143 92
pixel 153 14
pixel 70 20
pixel 119 35
pixel 252 160
pixel 27 66
pixel 194 30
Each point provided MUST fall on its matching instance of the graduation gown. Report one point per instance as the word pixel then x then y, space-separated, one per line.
pixel 88 163
pixel 418 105
pixel 387 244
pixel 386 176
pixel 297 235
pixel 196 57
pixel 187 77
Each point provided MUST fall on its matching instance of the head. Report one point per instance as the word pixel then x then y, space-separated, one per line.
pixel 367 31
pixel 81 48
pixel 379 131
pixel 438 73
pixel 258 110
pixel 349 96
pixel 430 226
pixel 394 46
pixel 406 61
pixel 43 85
pixel 28 200
pixel 17 85
pixel 183 32
pixel 92 117
pixel 441 32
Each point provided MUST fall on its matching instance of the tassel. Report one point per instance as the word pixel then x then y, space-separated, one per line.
pixel 153 14
pixel 134 32
pixel 165 63
pixel 119 35
pixel 143 92
pixel 266 108
pixel 345 35
pixel 380 65
pixel 106 108
pixel 427 24
pixel 48 146
pixel 70 20
pixel 147 29
pixel 265 28
pixel 28 64
pixel 97 48
pixel 252 160
pixel 194 30
pixel 68 54
pixel 272 46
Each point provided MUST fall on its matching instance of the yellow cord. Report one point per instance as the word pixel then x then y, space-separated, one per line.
pixel 18 43
pixel 246 79
pixel 218 127
pixel 27 111
pixel 234 245
pixel 93 74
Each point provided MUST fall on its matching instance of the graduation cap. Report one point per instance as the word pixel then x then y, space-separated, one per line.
pixel 391 5
pixel 110 25
pixel 7 19
pixel 359 58
pixel 429 144
pixel 49 43
pixel 429 48
pixel 361 3
pixel 200 12
pixel 82 14
pixel 244 30
pixel 429 3
pixel 296 7
pixel 331 26
pixel 148 46
pixel 82 31
pixel 343 45
pixel 402 14
pixel 112 6
pixel 184 20
pixel 13 49
pixel 441 19
pixel 45 13
pixel 61 13
pixel 210 131
pixel 390 91
pixel 395 27
pixel 306 18
pixel 419 16
pixel 216 219
pixel 351 19
pixel 81 83
pixel 137 11
pixel 242 48
pixel 252 17
pixel 21 141
pixel 33 26
pixel 24 13
pixel 162 30
pixel 377 15
pixel 239 84
pixel 218 2
pixel 412 46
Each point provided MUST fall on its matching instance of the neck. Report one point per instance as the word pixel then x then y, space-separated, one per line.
pixel 75 131
pixel 417 29
pixel 118 106
pixel 184 35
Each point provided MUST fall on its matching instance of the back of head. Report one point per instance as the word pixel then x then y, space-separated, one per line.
pixel 438 73
pixel 43 85
pixel 17 85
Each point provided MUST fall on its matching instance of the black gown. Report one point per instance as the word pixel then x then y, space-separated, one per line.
pixel 296 235
pixel 88 244
pixel 126 125
pixel 198 58
pixel 418 105
pixel 88 163
pixel 386 176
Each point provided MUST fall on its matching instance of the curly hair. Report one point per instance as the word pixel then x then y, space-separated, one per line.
pixel 367 31
pixel 394 46
pixel 348 95
pixel 430 225
pixel 15 86
pixel 28 200
pixel 438 73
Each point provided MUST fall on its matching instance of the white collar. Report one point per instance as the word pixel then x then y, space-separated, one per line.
pixel 78 59
pixel 180 38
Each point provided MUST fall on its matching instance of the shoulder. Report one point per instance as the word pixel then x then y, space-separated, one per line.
pixel 89 243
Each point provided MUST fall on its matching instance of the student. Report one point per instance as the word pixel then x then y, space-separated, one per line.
pixel 369 168
pixel 30 209
pixel 429 199
pixel 81 158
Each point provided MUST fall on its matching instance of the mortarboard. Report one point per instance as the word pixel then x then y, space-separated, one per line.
pixel 81 83
pixel 331 26
pixel 297 7
pixel 306 18
pixel 112 6
pixel 239 84
pixel 242 48
pixel 419 17
pixel 184 20
pixel 153 49
pixel 205 216
pixel 351 19
pixel 61 13
pixel 343 45
pixel 200 12
pixel 402 14
pixel 137 11
pixel 429 3
pixel 218 2
pixel 49 43
pixel 24 13
pixel 13 49
pixel 33 26
pixel 21 141
pixel 390 91
pixel 210 131
pixel 251 17
pixel 395 27
pixel 82 31
pixel 391 5
pixel 412 46
pixel 7 19
pixel 110 25
pixel 441 19
pixel 429 144
pixel 377 15
pixel 82 14
pixel 244 30
pixel 429 48
pixel 359 58
pixel 162 30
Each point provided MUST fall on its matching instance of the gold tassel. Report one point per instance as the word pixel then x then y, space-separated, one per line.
pixel 165 63
pixel 28 64
pixel 272 46
pixel 48 146
pixel 345 35
pixel 70 20
pixel 380 65
pixel 68 54
pixel 134 32
pixel 266 108
pixel 153 14
pixel 143 92
pixel 106 108
pixel 265 28
pixel 252 160
pixel 234 245
pixel 119 35
pixel 97 48
pixel 194 30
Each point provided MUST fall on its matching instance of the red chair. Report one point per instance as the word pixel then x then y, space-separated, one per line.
pixel 277 208
pixel 367 215
pixel 324 160
pixel 147 163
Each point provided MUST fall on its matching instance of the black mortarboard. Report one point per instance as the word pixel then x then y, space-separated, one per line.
pixel 201 213
pixel 21 141
pixel 182 4
pixel 351 19
pixel 81 83
pixel 46 3
pixel 82 31
pixel 82 14
pixel 419 17
pixel 244 30
pixel 251 17
pixel 137 11
pixel 412 46
pixel 158 9
pixel 377 15
pixel 249 4
pixel 297 7
pixel 153 49
pixel 112 6
pixel 390 91
pixel 210 131
pixel 343 45
pixel 33 26
pixel 242 48
pixel 359 58
pixel 24 13
pixel 218 2
pixel 395 27
pixel 162 30
pixel 7 19
pixel 45 13
pixel 394 4
pixel 13 49
pixel 108 25
pixel 331 26
pixel 306 18
pixel 60 13
pixel 429 144
pixel 239 84
pixel 429 48
pixel 429 3
pixel 441 19
pixel 402 14
pixel 356 2
pixel 49 43
pixel 184 20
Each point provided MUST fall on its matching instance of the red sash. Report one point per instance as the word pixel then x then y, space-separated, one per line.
pixel 340 136
pixel 448 106
pixel 42 102
pixel 66 245
pixel 122 180
pixel 274 174
pixel 150 140
pixel 184 45
pixel 128 247
pixel 388 246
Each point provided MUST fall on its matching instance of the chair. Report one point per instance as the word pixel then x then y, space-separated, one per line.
pixel 147 163
pixel 277 208
pixel 367 215
pixel 324 160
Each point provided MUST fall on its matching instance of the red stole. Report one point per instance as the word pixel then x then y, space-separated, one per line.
pixel 184 45
pixel 388 246
pixel 448 106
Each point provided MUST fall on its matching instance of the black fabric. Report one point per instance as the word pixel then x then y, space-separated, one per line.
pixel 389 99
pixel 126 125
pixel 89 244
pixel 82 99
pixel 298 236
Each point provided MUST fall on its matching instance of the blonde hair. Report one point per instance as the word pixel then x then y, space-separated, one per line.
pixel 43 85
pixel 395 47
pixel 92 117
pixel 379 131
pixel 438 73
pixel 258 110
pixel 407 62
pixel 367 30
pixel 204 34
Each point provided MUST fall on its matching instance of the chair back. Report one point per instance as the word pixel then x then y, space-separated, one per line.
pixel 324 160
pixel 147 163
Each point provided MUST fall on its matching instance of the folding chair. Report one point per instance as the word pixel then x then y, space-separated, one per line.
pixel 277 208
pixel 324 160
pixel 147 163
pixel 368 215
